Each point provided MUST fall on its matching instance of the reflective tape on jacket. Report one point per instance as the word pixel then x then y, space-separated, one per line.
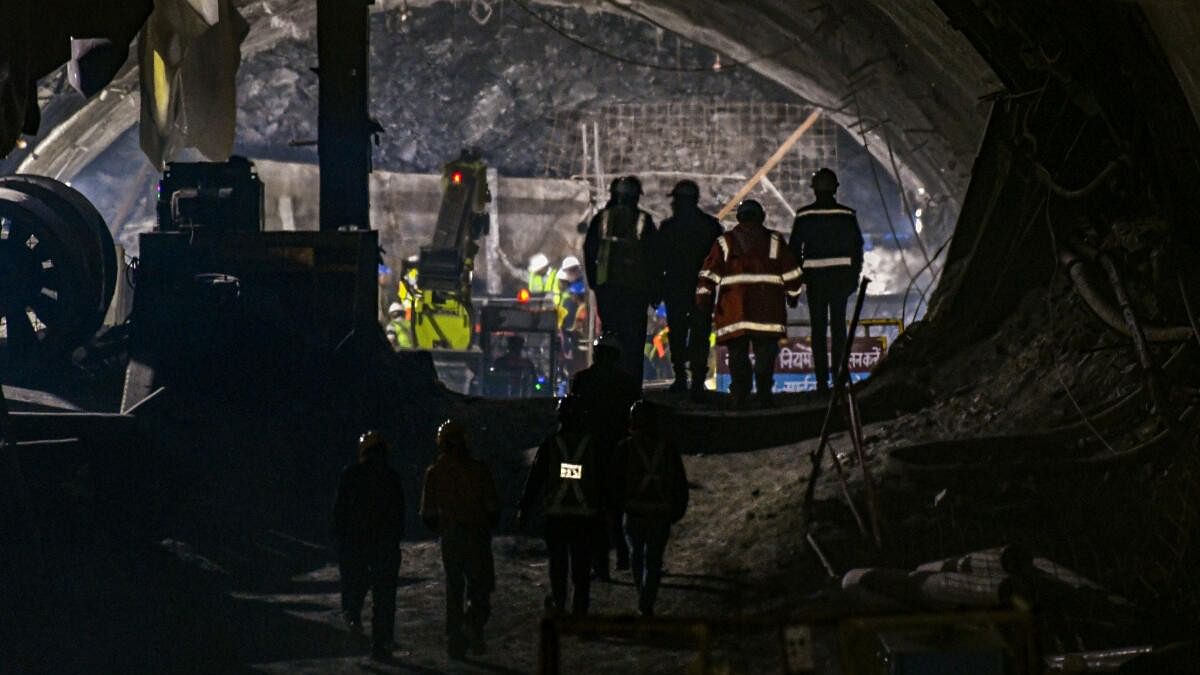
pixel 751 325
pixel 825 212
pixel 827 262
pixel 735 279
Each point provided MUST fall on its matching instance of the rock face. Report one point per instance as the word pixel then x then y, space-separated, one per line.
pixel 441 81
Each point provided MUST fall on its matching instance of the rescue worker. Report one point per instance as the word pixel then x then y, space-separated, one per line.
pixel 542 277
pixel 459 503
pixel 755 274
pixel 368 524
pixel 606 390
pixel 565 477
pixel 398 325
pixel 828 243
pixel 654 496
pixel 620 257
pixel 685 239
pixel 407 292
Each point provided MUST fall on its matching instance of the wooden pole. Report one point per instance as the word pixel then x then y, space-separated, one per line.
pixel 774 160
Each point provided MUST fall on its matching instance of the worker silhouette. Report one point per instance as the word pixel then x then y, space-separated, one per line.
pixel 606 390
pixel 368 521
pixel 685 239
pixel 565 478
pixel 828 243
pixel 620 258
pixel 753 275
pixel 654 495
pixel 459 503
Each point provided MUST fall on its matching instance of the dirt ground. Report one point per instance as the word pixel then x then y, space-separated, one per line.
pixel 716 554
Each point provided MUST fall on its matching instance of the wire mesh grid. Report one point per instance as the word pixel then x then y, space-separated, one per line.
pixel 720 143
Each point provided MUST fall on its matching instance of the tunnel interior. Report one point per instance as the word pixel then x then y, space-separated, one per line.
pixel 1023 172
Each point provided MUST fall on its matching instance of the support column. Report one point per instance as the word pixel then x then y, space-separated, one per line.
pixel 343 125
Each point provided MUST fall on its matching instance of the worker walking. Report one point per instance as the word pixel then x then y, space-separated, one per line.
pixel 368 524
pixel 828 243
pixel 565 478
pixel 606 391
pixel 459 503
pixel 620 258
pixel 685 239
pixel 754 273
pixel 654 496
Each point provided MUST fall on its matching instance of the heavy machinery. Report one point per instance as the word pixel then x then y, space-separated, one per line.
pixel 442 315
pixel 58 271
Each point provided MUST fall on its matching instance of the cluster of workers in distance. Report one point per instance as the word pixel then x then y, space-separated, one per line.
pixel 607 479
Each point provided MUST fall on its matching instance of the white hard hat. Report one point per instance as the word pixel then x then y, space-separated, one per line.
pixel 395 308
pixel 537 262
pixel 563 275
pixel 570 262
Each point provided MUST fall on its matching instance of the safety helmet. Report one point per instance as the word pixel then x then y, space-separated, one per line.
pixel 563 275
pixel 570 410
pixel 538 262
pixel 577 287
pixel 686 190
pixel 371 444
pixel 750 211
pixel 628 189
pixel 824 180
pixel 570 262
pixel 451 435
pixel 643 415
pixel 607 340
pixel 395 308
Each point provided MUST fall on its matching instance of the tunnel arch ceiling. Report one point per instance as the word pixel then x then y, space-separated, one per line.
pixel 896 65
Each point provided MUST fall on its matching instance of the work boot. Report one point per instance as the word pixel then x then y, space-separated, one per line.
pixel 680 385
pixel 698 393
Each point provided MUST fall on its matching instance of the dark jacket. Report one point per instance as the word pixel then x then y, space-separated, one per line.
pixel 565 476
pixel 684 240
pixel 826 238
pixel 369 508
pixel 606 393
pixel 627 223
pixel 459 490
pixel 653 482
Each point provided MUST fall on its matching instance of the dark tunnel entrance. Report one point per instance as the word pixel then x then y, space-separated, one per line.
pixel 1022 172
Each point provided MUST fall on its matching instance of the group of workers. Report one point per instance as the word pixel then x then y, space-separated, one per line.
pixel 735 284
pixel 605 479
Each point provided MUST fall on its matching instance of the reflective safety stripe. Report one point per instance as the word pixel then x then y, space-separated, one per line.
pixel 751 325
pixel 794 274
pixel 724 246
pixel 774 248
pixel 796 292
pixel 570 472
pixel 827 262
pixel 825 212
pixel 734 279
pixel 642 222
pixel 715 278
pixel 703 291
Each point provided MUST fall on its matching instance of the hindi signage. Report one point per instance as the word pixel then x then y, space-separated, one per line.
pixel 794 365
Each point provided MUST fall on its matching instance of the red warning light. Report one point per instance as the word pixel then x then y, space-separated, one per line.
pixel 523 296
pixel 456 178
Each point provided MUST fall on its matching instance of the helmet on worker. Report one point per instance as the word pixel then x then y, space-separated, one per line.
pixel 643 416
pixel 538 263
pixel 628 190
pixel 750 211
pixel 824 181
pixel 395 310
pixel 606 348
pixel 451 437
pixel 371 445
pixel 685 193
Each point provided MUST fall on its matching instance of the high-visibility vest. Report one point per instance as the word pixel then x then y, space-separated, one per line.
pixel 541 284
pixel 647 480
pixel 569 488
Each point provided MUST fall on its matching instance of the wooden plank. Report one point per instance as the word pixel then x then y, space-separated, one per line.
pixel 771 163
